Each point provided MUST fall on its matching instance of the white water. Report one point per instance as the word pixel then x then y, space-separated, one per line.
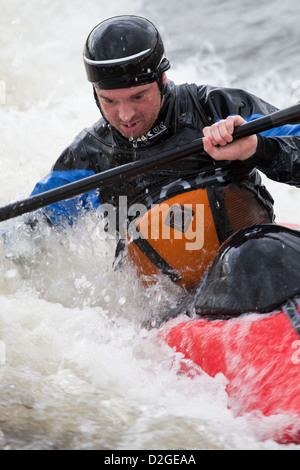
pixel 80 370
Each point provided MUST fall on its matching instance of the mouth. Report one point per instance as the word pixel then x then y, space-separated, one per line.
pixel 130 127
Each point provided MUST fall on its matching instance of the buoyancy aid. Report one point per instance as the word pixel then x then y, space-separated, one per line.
pixel 180 236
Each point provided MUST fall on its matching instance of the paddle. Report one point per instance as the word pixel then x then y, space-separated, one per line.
pixel 286 116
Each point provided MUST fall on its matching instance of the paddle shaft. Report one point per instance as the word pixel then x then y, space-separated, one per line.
pixel 286 116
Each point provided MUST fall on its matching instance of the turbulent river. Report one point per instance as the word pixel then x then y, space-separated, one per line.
pixel 78 367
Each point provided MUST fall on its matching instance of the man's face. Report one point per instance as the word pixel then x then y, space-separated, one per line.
pixel 132 111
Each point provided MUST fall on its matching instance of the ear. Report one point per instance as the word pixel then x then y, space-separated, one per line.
pixel 164 79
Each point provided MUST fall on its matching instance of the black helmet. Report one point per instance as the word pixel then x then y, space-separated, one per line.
pixel 124 51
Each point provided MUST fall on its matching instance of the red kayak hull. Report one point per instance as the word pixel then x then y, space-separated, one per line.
pixel 258 354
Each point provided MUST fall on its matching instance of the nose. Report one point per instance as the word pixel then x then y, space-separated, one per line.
pixel 126 112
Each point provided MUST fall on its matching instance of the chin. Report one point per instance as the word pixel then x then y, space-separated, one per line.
pixel 134 133
pixel 131 136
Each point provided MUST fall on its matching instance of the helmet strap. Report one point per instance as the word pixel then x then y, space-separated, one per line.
pixel 160 82
pixel 96 99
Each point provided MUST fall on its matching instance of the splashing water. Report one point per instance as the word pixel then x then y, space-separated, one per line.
pixel 79 368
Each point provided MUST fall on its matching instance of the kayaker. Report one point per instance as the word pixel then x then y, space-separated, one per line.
pixel 143 113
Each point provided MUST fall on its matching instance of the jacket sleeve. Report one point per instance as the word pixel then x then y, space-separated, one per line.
pixel 279 158
pixel 73 164
pixel 278 151
pixel 67 210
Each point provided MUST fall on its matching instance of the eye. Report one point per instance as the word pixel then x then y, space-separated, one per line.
pixel 139 97
pixel 107 100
